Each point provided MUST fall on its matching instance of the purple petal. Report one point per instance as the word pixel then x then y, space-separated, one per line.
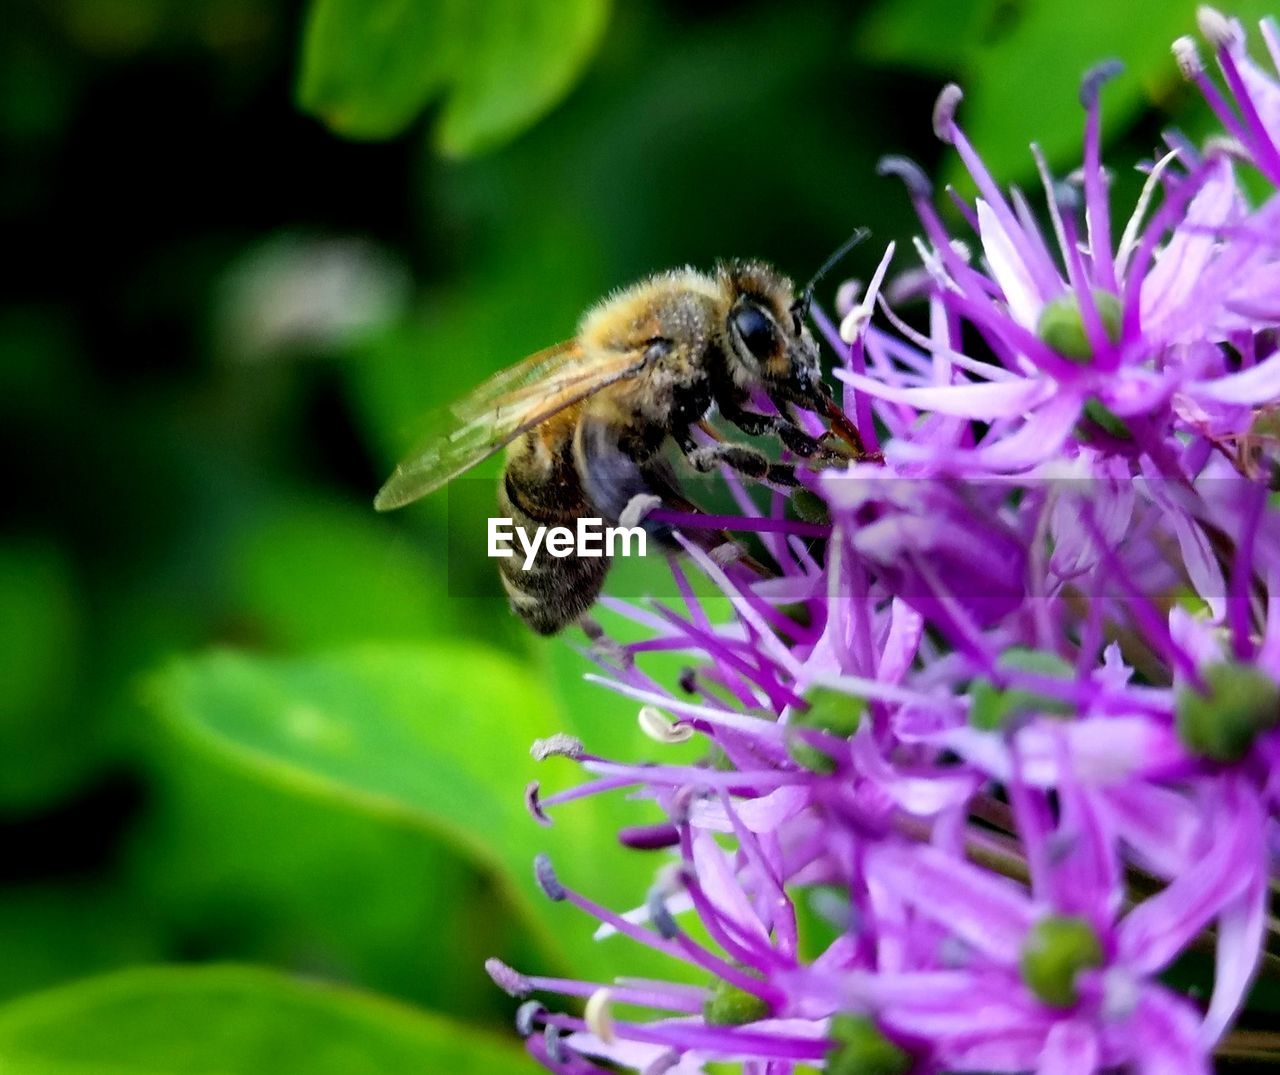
pixel 906 627
pixel 1016 1049
pixel 1268 657
pixel 1165 1030
pixel 1155 932
pixel 1170 286
pixel 1162 827
pixel 975 1022
pixel 1241 937
pixel 990 913
pixel 921 796
pixel 1201 563
pixel 1264 92
pixel 1256 386
pixel 1195 637
pixel 987 751
pixel 1085 867
pixel 1016 282
pixel 722 888
pixel 766 813
pixel 1039 438
pixel 998 399
pixel 1103 751
pixel 1070 1049
pixel 1136 391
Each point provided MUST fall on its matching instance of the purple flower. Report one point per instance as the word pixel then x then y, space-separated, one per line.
pixel 1123 332
pixel 1016 980
pixel 1005 750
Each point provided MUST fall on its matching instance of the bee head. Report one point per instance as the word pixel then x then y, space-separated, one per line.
pixel 769 344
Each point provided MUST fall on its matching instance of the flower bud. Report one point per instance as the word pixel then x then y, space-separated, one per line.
pixel 730 1006
pixel 1106 419
pixel 861 1049
pixel 833 712
pixel 1057 948
pixel 992 708
pixel 1061 324
pixel 1238 703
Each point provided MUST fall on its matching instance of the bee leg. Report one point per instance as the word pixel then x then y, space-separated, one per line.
pixel 797 440
pixel 759 425
pixel 618 485
pixel 745 460
pixel 740 457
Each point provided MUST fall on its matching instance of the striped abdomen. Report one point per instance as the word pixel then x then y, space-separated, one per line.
pixel 540 487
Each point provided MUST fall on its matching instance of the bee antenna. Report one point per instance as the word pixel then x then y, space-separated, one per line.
pixel 801 305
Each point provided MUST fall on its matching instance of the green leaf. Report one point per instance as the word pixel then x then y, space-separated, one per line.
pixel 54 933
pixel 1006 53
pixel 324 573
pixel 369 67
pixel 435 735
pixel 929 35
pixel 227 863
pixel 1013 66
pixel 234 1021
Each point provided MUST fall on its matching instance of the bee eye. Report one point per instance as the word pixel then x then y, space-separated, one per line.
pixel 755 330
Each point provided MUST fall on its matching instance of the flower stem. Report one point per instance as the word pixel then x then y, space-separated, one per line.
pixel 1250 1045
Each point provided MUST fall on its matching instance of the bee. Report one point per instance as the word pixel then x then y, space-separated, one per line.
pixel 585 421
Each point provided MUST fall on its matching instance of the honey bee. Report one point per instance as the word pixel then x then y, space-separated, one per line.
pixel 585 421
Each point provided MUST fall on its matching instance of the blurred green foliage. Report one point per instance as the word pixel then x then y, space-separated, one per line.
pixel 245 719
pixel 213 1020
pixel 368 69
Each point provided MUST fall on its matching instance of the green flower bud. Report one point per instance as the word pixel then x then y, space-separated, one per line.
pixel 1061 324
pixel 730 1006
pixel 1238 704
pixel 1057 948
pixel 829 711
pixel 991 707
pixel 861 1049
pixel 1103 417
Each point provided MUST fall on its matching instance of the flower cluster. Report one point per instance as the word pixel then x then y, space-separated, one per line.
pixel 995 783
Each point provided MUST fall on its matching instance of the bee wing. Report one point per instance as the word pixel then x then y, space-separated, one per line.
pixel 508 404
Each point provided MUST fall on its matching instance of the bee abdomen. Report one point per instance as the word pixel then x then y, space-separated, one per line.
pixel 555 591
